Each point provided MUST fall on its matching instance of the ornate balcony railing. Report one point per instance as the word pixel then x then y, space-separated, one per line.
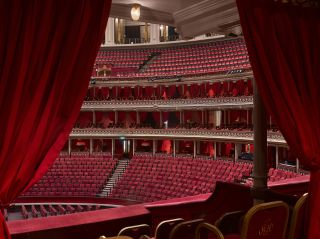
pixel 171 80
pixel 243 102
pixel 240 136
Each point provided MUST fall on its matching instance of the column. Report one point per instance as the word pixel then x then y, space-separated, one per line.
pixel 180 117
pixel 225 117
pixel 91 146
pixel 177 146
pixel 133 146
pixel 137 117
pixel 69 147
pixel 198 147
pixel 297 165
pixel 194 148
pixel 174 148
pixel 112 148
pixel 277 156
pixel 94 117
pixel 165 33
pixel 146 33
pixel 161 123
pixel 182 113
pixel 154 147
pixel 218 115
pixel 109 33
pixel 154 33
pixel 119 30
pixel 202 116
pixel 116 117
pixel 248 117
pixel 237 151
pixel 260 148
pixel 219 148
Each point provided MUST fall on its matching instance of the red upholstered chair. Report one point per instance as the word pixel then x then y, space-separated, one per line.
pixel 164 228
pixel 266 220
pixel 230 222
pixel 185 230
pixel 297 230
pixel 212 231
pixel 136 231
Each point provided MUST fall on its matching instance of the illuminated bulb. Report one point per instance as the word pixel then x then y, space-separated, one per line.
pixel 135 12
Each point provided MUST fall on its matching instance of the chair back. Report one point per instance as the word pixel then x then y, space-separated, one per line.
pixel 135 231
pixel 213 231
pixel 230 222
pixel 266 220
pixel 185 230
pixel 297 230
pixel 164 228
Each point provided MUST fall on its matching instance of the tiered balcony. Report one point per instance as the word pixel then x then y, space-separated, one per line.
pixel 243 102
pixel 236 136
pixel 209 58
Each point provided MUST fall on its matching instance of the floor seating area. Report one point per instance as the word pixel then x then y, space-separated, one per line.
pixel 184 60
pixel 78 175
pixel 149 178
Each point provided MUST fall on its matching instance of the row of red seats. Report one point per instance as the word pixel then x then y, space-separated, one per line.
pixel 211 57
pixel 158 178
pixel 74 177
pixel 279 174
pixel 34 211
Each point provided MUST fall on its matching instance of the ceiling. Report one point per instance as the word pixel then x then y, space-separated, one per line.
pixel 190 17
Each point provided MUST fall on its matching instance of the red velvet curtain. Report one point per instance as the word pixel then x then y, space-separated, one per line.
pixel 47 50
pixel 283 44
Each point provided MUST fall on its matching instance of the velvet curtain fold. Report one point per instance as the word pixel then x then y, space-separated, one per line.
pixel 47 51
pixel 283 45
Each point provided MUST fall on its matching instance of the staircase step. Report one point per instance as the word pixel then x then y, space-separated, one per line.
pixel 117 174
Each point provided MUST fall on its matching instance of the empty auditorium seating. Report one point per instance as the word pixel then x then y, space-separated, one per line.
pixel 78 175
pixel 45 210
pixel 223 56
pixel 279 174
pixel 157 178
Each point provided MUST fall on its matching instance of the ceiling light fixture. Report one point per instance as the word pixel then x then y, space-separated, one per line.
pixel 135 12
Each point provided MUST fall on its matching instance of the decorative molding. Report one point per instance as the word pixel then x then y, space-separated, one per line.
pixel 107 82
pixel 244 102
pixel 207 16
pixel 236 136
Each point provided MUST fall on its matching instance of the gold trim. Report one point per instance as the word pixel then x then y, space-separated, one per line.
pixel 127 229
pixel 294 217
pixel 183 224
pixel 165 222
pixel 209 227
pixel 268 225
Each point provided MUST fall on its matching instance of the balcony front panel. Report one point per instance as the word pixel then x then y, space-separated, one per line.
pixel 236 136
pixel 244 102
